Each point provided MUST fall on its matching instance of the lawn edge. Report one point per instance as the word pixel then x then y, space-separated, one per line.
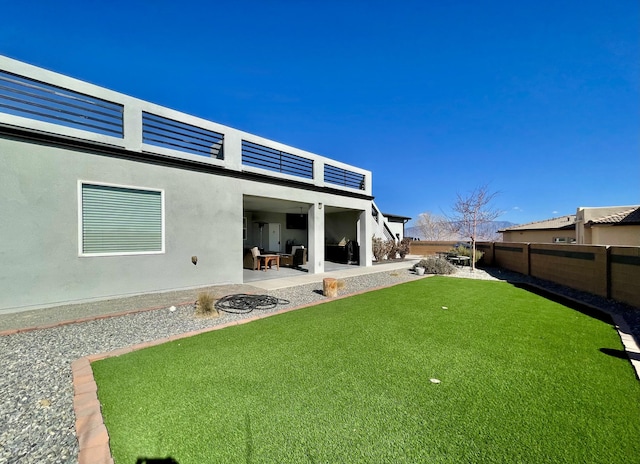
pixel 91 432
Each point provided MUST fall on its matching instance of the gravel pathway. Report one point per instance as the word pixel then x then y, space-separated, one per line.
pixel 37 422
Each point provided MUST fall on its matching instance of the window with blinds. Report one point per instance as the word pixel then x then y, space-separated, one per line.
pixel 120 220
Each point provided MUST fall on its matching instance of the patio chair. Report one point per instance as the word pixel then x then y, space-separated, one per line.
pixel 299 253
pixel 257 258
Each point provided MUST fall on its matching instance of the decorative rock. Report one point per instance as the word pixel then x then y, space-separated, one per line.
pixel 37 365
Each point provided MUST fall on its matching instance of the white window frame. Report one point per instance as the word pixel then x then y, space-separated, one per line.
pixel 81 252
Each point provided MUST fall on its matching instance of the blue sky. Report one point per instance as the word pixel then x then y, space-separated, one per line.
pixel 538 99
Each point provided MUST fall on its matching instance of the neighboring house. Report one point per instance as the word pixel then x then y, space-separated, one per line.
pixel 396 225
pixel 555 230
pixel 105 195
pixel 611 225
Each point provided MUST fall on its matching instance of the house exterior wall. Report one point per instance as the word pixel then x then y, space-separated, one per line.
pixel 203 218
pixel 536 236
pixel 615 235
pixel 397 229
pixel 40 250
pixel 44 159
pixel 341 227
pixel 596 235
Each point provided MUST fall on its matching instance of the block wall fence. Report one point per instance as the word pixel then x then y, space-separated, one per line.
pixel 608 271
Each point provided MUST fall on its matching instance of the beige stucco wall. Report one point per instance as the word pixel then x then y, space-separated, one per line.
pixel 615 235
pixel 536 236
pixel 585 232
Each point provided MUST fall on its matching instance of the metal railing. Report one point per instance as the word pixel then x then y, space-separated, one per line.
pixel 275 160
pixel 175 135
pixel 33 99
pixel 49 103
pixel 344 177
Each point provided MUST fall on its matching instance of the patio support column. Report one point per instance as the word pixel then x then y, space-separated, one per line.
pixel 365 232
pixel 316 239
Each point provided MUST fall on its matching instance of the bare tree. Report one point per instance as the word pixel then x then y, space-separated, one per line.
pixel 433 227
pixel 472 214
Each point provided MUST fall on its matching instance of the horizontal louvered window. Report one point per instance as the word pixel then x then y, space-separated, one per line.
pixel 121 220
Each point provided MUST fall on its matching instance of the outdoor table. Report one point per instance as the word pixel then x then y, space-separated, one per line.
pixel 269 260
pixel 459 260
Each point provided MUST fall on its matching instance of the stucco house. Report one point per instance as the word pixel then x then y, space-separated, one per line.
pixel 105 195
pixel 611 225
pixel 554 230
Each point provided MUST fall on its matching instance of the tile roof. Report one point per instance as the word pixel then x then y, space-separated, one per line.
pixel 629 216
pixel 562 222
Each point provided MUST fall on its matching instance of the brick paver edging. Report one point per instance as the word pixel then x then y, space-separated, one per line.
pixel 93 438
pixel 628 342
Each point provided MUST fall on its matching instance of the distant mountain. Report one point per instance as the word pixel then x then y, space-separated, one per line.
pixel 491 229
pixel 503 224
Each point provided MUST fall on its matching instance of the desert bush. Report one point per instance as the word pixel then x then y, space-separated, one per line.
pixel 464 251
pixel 392 249
pixel 435 265
pixel 378 248
pixel 381 248
pixel 205 305
pixel 403 247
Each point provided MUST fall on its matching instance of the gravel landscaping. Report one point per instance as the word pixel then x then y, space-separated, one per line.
pixel 37 422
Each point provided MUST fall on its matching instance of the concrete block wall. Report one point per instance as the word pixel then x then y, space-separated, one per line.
pixel 424 248
pixel 582 267
pixel 488 248
pixel 625 274
pixel 608 271
pixel 512 256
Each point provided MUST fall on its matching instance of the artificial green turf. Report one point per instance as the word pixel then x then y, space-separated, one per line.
pixel 523 379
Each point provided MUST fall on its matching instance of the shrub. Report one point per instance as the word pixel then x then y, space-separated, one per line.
pixel 435 265
pixel 381 248
pixel 392 249
pixel 464 251
pixel 403 247
pixel 377 248
pixel 205 306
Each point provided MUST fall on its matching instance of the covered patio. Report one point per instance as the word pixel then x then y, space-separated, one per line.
pixel 308 238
